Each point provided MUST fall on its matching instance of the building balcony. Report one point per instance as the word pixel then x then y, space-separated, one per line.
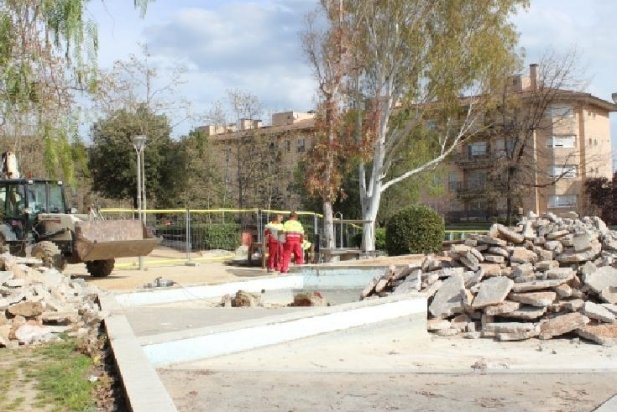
pixel 474 161
pixel 469 189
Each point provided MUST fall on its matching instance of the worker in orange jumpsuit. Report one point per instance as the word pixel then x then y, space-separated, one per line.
pixel 273 232
pixel 294 236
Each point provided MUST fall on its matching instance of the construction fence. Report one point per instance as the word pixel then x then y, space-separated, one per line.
pixel 196 230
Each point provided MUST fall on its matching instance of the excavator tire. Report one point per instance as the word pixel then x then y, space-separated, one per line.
pixel 100 268
pixel 50 254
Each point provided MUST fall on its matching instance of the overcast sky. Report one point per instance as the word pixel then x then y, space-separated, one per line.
pixel 253 45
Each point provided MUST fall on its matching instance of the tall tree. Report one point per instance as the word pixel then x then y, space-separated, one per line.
pixel 327 53
pixel 602 195
pixel 47 54
pixel 415 60
pixel 112 158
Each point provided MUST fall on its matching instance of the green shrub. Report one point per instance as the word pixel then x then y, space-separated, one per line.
pixel 415 229
pixel 221 236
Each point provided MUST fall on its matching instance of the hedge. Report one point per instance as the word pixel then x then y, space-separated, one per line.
pixel 415 229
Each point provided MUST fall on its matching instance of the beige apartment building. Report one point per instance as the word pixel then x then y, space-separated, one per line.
pixel 273 151
pixel 573 145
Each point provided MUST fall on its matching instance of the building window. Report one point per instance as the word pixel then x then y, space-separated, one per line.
pixel 300 147
pixel 561 201
pixel 565 171
pixel 561 112
pixel 565 141
pixel 452 181
pixel 288 144
pixel 477 149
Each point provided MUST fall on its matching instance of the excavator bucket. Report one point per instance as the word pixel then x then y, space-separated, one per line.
pixel 109 239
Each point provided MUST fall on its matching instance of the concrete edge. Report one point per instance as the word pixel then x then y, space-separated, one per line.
pixel 609 405
pixel 273 319
pixel 218 343
pixel 142 385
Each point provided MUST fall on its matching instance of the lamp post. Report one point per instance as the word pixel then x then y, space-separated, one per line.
pixel 139 142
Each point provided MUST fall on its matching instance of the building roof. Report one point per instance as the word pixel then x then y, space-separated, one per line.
pixel 300 125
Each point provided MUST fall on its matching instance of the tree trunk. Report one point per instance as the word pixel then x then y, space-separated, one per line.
pixel 328 225
pixel 369 215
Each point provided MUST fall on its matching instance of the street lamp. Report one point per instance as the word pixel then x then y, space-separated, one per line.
pixel 139 143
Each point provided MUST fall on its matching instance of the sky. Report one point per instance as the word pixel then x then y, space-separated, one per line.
pixel 254 46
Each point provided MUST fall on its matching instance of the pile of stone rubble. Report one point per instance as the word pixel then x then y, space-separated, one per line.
pixel 546 277
pixel 37 304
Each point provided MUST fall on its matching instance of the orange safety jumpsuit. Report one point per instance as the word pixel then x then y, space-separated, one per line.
pixel 275 248
pixel 294 236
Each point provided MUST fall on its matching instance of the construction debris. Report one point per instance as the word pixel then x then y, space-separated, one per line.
pixel 38 304
pixel 314 298
pixel 546 277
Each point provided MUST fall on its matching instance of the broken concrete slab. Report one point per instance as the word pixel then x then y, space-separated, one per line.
pixel 601 334
pixel 601 279
pixel 492 291
pixel 526 313
pixel 437 324
pixel 26 309
pixel 447 300
pixel 598 312
pixel 522 255
pixel 538 299
pixel 562 324
pixel 538 285
pixel 504 307
pixel 509 235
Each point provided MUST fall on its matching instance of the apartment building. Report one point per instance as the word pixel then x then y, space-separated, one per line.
pixel 274 151
pixel 573 145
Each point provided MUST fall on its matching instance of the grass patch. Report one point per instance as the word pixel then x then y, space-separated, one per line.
pixel 62 378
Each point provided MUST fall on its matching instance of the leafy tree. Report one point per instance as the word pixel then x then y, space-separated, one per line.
pixel 413 60
pixel 602 194
pixel 113 159
pixel 47 54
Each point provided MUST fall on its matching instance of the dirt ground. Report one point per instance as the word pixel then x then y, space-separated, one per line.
pixel 291 391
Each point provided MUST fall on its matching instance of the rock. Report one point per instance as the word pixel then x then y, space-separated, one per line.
pixel 546 265
pixel 381 285
pixel 27 334
pixel 509 235
pixel 492 241
pixel 538 299
pixel 524 269
pixel 504 307
pixel 522 255
pixel 470 261
pixel 26 309
pixel 508 327
pixel 557 234
pixel 544 254
pixel 562 324
pixel 370 287
pixel 499 251
pixel 528 232
pixel 581 242
pixel 490 269
pixel 446 332
pixel 447 300
pixel 537 285
pixel 609 294
pixel 574 257
pixel 477 254
pixel 563 291
pixel 409 285
pixel 246 299
pixel 587 269
pixel 602 334
pixel 60 318
pixel 611 308
pixel 433 325
pixel 492 291
pixel 554 246
pixel 472 335
pixel 15 283
pixel 560 273
pixel 494 259
pixel 4 276
pixel 433 288
pixel 601 279
pixel 598 312
pixel 447 272
pixel 472 278
pixel 526 313
pixel 516 336
pixel 460 322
